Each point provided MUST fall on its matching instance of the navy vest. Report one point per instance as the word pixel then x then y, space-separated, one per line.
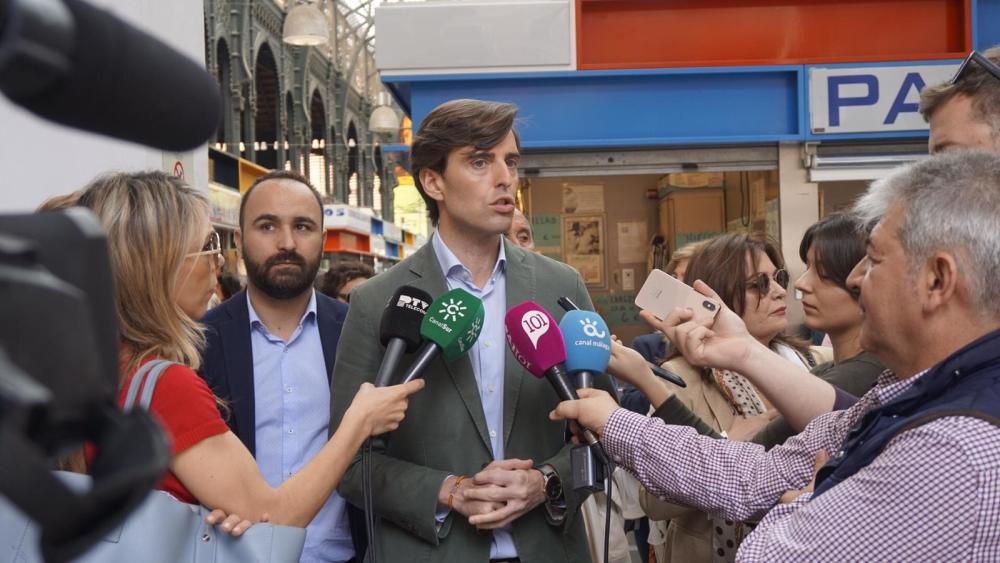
pixel 967 383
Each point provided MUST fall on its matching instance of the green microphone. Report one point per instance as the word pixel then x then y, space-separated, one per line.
pixel 450 327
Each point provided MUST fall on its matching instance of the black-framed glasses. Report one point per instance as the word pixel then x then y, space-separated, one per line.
pixel 213 245
pixel 762 282
pixel 981 60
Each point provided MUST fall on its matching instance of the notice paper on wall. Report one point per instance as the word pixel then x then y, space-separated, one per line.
pixel 632 242
pixel 546 230
pixel 583 198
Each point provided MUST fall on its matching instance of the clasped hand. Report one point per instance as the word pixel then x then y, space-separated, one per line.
pixel 499 494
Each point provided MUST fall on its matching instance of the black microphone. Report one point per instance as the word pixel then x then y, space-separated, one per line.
pixel 80 66
pixel 399 331
pixel 567 304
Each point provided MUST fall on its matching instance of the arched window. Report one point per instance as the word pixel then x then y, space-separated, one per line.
pixel 266 124
pixel 318 174
pixel 353 181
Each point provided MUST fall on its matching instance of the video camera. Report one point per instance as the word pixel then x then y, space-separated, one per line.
pixel 79 66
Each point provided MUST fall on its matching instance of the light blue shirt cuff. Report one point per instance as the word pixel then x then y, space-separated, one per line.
pixel 442 512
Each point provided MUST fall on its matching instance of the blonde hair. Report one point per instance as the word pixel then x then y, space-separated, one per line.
pixel 150 219
pixel 59 202
pixel 683 253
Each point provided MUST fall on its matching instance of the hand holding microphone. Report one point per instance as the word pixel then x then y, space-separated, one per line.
pixel 588 349
pixel 380 410
pixel 592 410
pixel 399 332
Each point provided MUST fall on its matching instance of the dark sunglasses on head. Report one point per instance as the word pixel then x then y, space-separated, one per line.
pixel 762 282
pixel 981 60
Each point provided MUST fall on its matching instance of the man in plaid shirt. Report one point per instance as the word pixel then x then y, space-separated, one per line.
pixel 914 469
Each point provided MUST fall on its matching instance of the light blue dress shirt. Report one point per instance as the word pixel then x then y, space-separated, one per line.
pixel 292 414
pixel 488 356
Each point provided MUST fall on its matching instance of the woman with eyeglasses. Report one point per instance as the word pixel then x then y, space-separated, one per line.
pixel 165 258
pixel 830 248
pixel 747 271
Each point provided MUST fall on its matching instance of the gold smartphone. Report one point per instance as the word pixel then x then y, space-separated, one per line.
pixel 662 293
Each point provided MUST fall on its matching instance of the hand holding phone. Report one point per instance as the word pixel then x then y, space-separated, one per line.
pixel 662 293
pixel 725 345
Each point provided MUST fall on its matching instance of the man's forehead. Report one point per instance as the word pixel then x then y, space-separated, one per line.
pixel 957 126
pixel 470 150
pixel 886 228
pixel 499 147
pixel 283 196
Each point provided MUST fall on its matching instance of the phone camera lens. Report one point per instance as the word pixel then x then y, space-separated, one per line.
pixel 708 305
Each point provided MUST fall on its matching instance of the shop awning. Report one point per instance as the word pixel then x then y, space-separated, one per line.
pixel 845 162
pixel 649 161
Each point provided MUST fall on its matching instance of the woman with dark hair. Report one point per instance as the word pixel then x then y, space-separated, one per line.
pixel 830 248
pixel 342 278
pixel 748 273
pixel 229 284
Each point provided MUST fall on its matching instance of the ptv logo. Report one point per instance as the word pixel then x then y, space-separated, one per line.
pixel 412 303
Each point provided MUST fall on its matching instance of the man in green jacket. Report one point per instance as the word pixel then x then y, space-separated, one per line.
pixel 473 473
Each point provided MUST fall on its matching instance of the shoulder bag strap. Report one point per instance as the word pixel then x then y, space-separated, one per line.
pixel 139 383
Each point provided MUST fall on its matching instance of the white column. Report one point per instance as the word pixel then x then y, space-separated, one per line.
pixel 799 208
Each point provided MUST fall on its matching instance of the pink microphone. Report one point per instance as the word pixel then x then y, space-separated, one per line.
pixel 537 343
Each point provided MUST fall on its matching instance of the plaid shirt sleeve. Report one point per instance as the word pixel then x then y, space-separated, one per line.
pixel 933 494
pixel 926 497
pixel 736 480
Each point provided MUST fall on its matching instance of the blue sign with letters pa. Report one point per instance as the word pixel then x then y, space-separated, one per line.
pixel 871 99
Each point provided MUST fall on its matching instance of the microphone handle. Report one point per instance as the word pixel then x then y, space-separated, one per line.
pixel 390 361
pixel 567 304
pixel 584 379
pixel 425 355
pixel 558 378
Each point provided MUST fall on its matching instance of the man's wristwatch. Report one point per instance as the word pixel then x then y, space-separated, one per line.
pixel 551 483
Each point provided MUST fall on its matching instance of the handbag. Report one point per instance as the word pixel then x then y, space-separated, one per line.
pixel 162 529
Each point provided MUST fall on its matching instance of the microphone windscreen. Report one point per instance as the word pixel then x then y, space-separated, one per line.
pixel 587 340
pixel 402 317
pixel 453 322
pixel 534 338
pixel 129 85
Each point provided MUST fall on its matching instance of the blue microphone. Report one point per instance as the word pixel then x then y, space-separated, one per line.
pixel 587 340
pixel 588 345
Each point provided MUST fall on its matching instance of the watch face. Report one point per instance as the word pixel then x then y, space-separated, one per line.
pixel 553 488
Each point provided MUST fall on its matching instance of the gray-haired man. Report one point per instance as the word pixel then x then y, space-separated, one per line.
pixel 915 468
